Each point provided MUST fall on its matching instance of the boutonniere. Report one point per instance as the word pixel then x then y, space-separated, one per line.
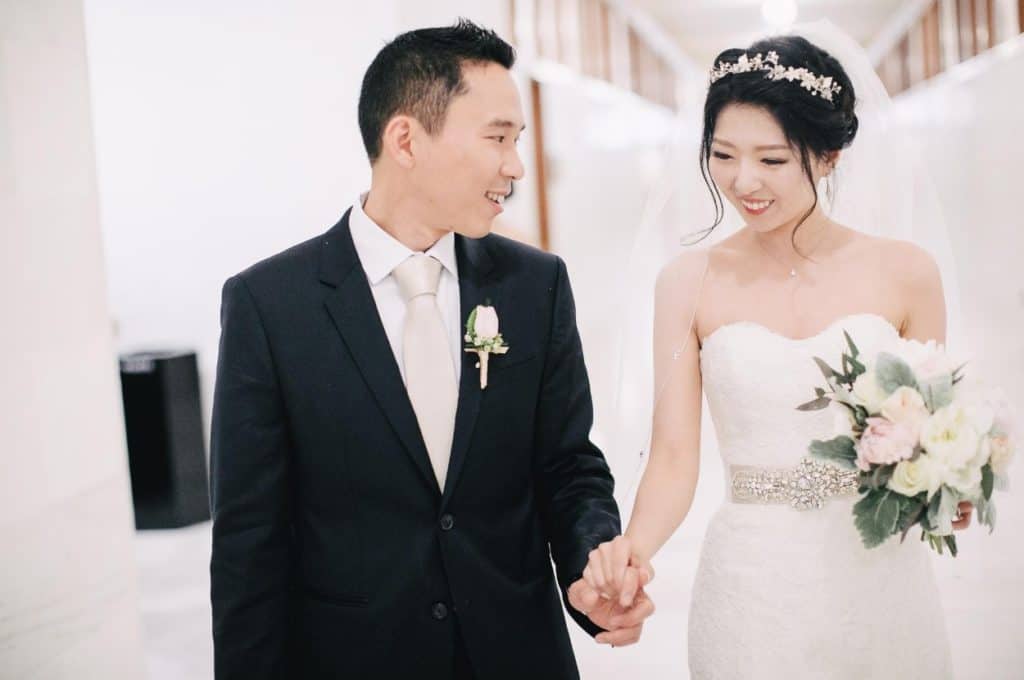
pixel 483 338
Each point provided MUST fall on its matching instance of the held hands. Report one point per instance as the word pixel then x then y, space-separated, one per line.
pixel 611 592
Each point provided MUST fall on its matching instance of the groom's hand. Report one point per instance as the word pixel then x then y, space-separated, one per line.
pixel 622 624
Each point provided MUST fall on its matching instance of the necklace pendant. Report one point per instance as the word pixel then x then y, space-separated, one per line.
pixel 792 272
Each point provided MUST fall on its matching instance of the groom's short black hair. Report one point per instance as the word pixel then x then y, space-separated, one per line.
pixel 420 72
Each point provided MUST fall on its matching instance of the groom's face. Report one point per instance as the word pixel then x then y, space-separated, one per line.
pixel 473 159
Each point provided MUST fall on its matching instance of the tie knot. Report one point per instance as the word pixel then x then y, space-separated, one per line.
pixel 418 275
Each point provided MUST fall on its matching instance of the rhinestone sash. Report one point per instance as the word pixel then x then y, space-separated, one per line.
pixel 804 487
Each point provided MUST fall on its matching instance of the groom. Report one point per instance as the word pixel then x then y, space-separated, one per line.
pixel 378 513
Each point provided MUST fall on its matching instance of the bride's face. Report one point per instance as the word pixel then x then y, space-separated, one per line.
pixel 758 171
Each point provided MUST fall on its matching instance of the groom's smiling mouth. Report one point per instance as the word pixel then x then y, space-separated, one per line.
pixel 496 197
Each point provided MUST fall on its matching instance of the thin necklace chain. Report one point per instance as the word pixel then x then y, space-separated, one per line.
pixel 792 269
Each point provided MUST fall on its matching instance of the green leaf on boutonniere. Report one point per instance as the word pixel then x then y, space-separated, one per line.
pixel 876 516
pixel 987 481
pixel 894 373
pixel 839 450
pixel 471 323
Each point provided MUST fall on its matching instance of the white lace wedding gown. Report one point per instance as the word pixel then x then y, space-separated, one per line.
pixel 787 593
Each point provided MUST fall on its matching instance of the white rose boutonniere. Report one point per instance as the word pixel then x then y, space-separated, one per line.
pixel 483 338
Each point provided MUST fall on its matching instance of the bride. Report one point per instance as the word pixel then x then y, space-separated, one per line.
pixel 780 591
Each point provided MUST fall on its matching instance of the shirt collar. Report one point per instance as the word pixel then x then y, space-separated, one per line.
pixel 380 252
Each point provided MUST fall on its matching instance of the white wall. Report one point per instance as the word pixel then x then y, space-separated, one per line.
pixel 225 132
pixel 67 570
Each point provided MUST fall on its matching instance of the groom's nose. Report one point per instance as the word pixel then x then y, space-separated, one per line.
pixel 512 165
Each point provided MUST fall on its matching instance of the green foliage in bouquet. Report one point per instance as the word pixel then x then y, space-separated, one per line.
pixel 882 512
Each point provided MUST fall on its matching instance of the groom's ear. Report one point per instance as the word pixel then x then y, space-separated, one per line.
pixel 397 140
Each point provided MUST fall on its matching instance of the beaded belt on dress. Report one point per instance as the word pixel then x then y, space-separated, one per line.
pixel 806 486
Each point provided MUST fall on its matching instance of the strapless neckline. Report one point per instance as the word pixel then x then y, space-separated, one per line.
pixel 761 327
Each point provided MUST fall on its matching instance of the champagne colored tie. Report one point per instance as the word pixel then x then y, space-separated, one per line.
pixel 426 356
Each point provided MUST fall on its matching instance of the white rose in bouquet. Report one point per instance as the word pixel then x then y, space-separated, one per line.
pixel 950 437
pixel 911 477
pixel 966 480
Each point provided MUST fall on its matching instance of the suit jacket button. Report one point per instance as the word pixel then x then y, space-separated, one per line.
pixel 439 611
pixel 447 522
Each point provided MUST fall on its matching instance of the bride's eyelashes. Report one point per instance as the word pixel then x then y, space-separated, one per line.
pixel 767 161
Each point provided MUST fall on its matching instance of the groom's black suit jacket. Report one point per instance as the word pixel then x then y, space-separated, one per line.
pixel 335 554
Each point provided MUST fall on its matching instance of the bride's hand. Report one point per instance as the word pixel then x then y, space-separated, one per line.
pixel 963 511
pixel 614 571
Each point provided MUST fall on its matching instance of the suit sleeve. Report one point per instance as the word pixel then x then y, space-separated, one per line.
pixel 251 552
pixel 575 482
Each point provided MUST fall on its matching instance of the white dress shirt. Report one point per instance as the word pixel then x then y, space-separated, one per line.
pixel 380 253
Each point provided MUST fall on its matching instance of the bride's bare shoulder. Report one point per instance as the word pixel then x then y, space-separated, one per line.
pixel 698 261
pixel 686 265
pixel 681 279
pixel 906 260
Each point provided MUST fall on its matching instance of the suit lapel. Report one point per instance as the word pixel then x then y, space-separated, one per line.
pixel 351 306
pixel 476 285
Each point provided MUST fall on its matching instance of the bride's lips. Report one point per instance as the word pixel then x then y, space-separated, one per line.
pixel 758 207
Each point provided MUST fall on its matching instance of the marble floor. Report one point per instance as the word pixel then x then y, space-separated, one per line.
pixel 983 596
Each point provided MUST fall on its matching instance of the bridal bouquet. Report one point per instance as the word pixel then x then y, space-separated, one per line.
pixel 921 440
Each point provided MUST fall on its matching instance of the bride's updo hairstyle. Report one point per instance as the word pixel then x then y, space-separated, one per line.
pixel 815 114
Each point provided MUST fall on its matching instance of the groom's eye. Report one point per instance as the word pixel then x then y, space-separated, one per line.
pixel 500 138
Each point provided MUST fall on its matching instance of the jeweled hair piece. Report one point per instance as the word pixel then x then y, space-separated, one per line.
pixel 820 86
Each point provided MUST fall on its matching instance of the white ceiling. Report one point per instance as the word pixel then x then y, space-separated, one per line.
pixel 703 28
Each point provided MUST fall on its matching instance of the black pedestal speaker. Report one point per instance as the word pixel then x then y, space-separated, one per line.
pixel 164 425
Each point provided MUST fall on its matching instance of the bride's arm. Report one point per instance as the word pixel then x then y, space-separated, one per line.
pixel 925 315
pixel 669 482
pixel 667 487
